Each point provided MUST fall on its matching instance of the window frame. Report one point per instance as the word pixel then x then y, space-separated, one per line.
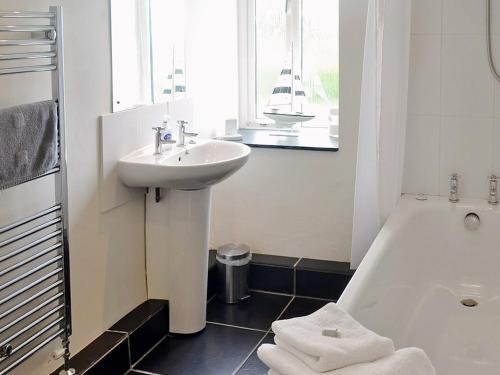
pixel 247 66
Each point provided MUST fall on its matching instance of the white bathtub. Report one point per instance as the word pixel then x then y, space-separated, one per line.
pixel 422 265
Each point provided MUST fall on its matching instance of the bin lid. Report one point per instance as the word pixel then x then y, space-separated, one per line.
pixel 232 251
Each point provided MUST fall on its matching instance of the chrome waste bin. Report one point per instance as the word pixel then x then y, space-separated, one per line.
pixel 233 262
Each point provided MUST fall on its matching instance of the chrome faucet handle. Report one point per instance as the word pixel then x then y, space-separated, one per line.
pixel 492 197
pixel 158 128
pixel 453 188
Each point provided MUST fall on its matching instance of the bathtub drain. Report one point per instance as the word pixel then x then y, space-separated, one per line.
pixel 469 302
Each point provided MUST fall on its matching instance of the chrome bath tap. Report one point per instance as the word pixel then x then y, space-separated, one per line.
pixel 183 133
pixel 158 141
pixel 453 188
pixel 492 197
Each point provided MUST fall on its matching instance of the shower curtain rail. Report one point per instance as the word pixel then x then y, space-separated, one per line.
pixel 35 303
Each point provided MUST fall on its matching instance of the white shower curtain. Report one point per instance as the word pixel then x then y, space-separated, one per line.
pixel 382 122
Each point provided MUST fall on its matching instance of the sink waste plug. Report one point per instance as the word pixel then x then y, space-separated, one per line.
pixel 233 262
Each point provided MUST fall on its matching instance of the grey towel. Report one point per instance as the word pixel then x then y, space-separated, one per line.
pixel 28 142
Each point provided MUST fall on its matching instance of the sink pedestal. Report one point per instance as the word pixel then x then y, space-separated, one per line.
pixel 177 235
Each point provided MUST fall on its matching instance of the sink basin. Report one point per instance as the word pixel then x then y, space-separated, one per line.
pixel 193 167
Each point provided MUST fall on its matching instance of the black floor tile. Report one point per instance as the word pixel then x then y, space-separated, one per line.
pixel 218 350
pixel 302 306
pixel 271 278
pixel 114 363
pixel 257 312
pixel 100 353
pixel 253 365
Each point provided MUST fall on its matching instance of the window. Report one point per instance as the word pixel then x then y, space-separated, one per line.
pixel 148 45
pixel 292 62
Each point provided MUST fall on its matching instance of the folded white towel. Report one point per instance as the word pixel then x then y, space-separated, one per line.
pixel 304 338
pixel 409 361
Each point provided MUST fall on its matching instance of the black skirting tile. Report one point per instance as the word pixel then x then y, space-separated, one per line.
pixel 272 273
pixel 218 350
pixel 327 266
pixel 257 312
pixel 302 307
pixel 320 284
pixel 253 365
pixel 146 325
pixel 271 278
pixel 274 260
pixel 107 354
pixel 138 316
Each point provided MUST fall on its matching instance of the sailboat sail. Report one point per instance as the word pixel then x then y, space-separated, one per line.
pixel 287 104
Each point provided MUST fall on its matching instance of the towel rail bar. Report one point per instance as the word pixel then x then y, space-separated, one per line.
pixel 30 272
pixel 30 259
pixel 27 55
pixel 28 69
pixel 28 219
pixel 26 28
pixel 29 232
pixel 26 42
pixel 30 312
pixel 38 334
pixel 35 322
pixel 31 299
pixel 31 352
pixel 22 14
pixel 30 245
pixel 31 285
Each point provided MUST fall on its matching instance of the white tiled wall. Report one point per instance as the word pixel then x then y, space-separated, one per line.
pixel 454 101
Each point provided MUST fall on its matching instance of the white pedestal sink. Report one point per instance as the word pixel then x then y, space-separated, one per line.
pixel 177 227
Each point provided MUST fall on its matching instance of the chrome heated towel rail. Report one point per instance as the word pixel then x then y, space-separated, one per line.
pixel 35 305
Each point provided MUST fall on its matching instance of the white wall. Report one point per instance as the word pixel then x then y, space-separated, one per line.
pixel 454 101
pixel 300 203
pixel 107 250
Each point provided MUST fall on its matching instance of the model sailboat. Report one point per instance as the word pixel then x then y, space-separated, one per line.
pixel 288 102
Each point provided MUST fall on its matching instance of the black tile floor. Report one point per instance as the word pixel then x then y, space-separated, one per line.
pixel 228 344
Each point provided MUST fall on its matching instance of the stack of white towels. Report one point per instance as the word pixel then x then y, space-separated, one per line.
pixel 331 342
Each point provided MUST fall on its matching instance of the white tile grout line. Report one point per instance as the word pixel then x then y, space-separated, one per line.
pixel 295 276
pixel 238 368
pixel 290 295
pixel 142 372
pixel 149 351
pixel 239 327
pixel 261 340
